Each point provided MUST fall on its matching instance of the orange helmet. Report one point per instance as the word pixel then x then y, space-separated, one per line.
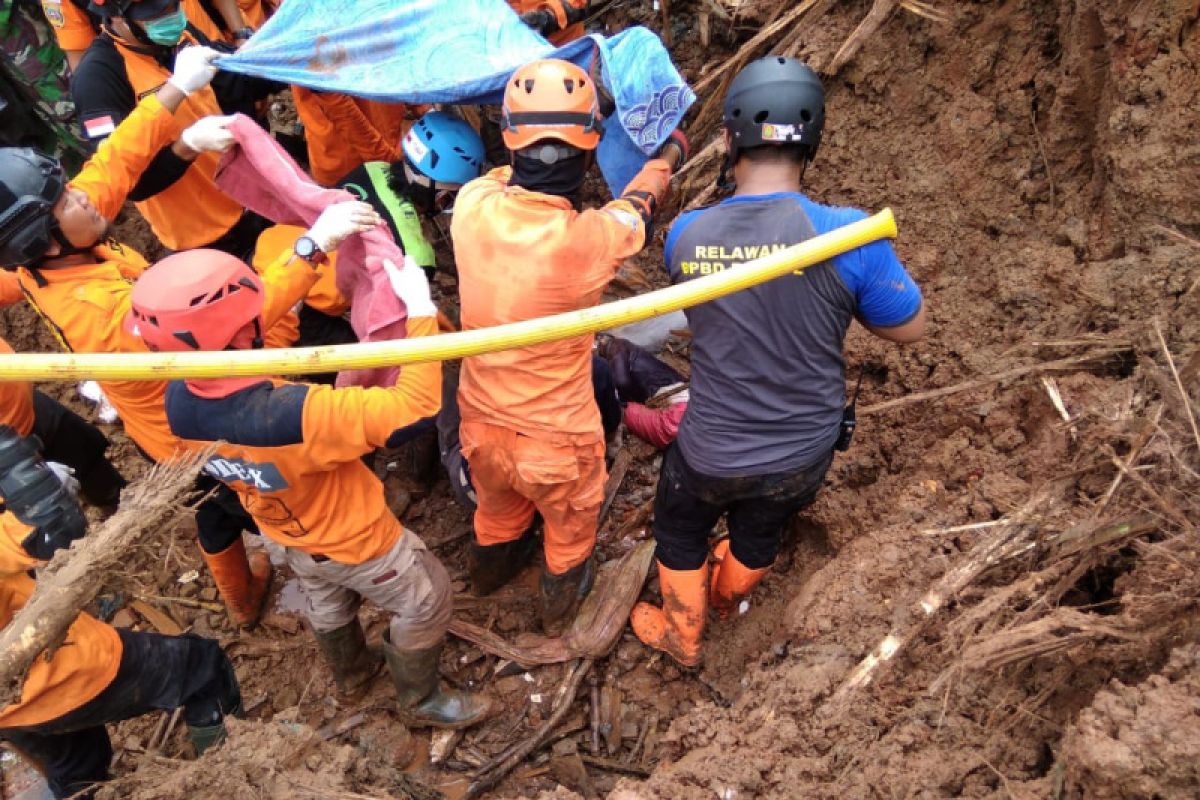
pixel 196 300
pixel 550 99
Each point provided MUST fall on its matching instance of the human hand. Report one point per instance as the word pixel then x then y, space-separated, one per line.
pixel 674 150
pixel 341 220
pixel 193 69
pixel 66 476
pixel 411 286
pixel 209 134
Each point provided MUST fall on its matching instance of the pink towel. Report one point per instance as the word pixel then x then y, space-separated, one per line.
pixel 265 179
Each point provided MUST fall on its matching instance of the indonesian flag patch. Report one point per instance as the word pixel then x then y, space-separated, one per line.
pixel 100 126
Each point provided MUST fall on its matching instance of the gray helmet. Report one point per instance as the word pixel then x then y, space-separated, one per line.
pixel 775 100
pixel 30 184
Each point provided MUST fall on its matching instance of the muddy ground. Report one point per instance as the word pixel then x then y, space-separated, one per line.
pixel 1043 161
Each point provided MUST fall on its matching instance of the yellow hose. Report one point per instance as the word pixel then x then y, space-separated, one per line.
pixel 300 360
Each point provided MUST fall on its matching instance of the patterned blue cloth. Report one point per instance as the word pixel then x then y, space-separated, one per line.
pixel 462 52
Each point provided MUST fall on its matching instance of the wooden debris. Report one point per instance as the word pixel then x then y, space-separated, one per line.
pixel 335 729
pixel 187 602
pixel 596 627
pixel 73 577
pixel 616 475
pixel 997 546
pixel 162 622
pixel 494 771
pixel 610 717
pixel 442 744
pixel 988 380
pixel 569 771
pixel 1183 395
pixel 1062 629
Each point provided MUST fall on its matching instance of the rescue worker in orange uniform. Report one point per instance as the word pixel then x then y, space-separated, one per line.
pixel 79 281
pixel 560 21
pixel 100 674
pixel 131 58
pixel 75 29
pixel 292 451
pixel 63 436
pixel 530 427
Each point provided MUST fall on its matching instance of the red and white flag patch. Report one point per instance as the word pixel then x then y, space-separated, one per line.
pixel 100 126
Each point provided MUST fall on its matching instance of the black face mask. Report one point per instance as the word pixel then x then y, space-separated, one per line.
pixel 562 178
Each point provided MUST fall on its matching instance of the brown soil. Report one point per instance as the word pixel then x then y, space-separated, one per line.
pixel 1043 163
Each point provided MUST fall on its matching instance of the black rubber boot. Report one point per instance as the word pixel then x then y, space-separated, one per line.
pixel 561 595
pixel 205 736
pixel 423 702
pixel 353 664
pixel 491 566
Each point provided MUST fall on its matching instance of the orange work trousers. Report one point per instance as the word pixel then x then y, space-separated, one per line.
pixel 515 475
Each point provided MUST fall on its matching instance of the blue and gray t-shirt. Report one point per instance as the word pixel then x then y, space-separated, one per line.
pixel 768 377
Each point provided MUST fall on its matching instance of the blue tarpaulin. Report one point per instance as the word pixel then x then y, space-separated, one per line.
pixel 461 52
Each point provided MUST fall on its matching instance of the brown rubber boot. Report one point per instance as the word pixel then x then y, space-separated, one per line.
pixel 731 580
pixel 423 702
pixel 561 595
pixel 675 628
pixel 242 582
pixel 353 664
pixel 493 565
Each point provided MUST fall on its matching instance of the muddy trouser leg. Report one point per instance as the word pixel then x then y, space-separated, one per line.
pixel 450 444
pixel 221 518
pixel 70 439
pixel 606 395
pixel 685 512
pixel 408 581
pixel 567 495
pixel 757 520
pixel 156 673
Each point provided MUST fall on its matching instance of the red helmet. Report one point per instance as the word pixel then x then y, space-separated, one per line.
pixel 196 300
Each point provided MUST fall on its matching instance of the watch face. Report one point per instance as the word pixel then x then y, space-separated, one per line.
pixel 305 247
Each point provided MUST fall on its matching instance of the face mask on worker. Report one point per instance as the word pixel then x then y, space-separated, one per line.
pixel 167 30
pixel 563 178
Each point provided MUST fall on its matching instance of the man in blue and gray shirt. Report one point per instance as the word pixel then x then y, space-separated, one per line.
pixel 768 377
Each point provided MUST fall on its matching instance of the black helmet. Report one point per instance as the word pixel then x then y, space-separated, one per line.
pixel 30 184
pixel 775 100
pixel 130 9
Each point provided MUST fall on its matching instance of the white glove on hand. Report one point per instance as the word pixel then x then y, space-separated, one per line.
pixel 209 134
pixel 193 69
pixel 411 286
pixel 66 476
pixel 341 220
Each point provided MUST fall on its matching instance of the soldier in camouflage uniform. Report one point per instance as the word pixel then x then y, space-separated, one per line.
pixel 35 104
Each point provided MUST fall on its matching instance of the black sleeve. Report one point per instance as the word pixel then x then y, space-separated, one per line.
pixel 104 97
pixel 238 94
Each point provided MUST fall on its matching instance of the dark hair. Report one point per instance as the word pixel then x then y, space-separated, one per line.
pixel 774 153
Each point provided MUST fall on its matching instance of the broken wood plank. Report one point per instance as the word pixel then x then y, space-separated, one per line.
pixel 163 622
pixel 615 476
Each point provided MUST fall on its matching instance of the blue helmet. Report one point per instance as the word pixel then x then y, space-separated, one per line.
pixel 442 150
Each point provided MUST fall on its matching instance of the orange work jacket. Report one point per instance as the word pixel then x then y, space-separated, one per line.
pixel 312 491
pixel 82 667
pixel 85 305
pixel 16 401
pixel 344 132
pixel 523 255
pixel 72 26
pixel 192 212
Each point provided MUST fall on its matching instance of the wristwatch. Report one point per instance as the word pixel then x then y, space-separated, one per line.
pixel 307 249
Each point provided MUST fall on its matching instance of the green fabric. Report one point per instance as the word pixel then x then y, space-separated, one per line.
pixel 406 222
pixel 37 69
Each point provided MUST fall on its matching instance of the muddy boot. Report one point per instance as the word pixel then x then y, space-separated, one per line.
pixel 423 702
pixel 353 664
pixel 731 580
pixel 493 565
pixel 677 627
pixel 203 737
pixel 242 582
pixel 561 595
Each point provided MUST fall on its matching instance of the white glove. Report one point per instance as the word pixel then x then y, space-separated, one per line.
pixel 66 476
pixel 341 220
pixel 193 69
pixel 209 134
pixel 411 286
pixel 91 391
